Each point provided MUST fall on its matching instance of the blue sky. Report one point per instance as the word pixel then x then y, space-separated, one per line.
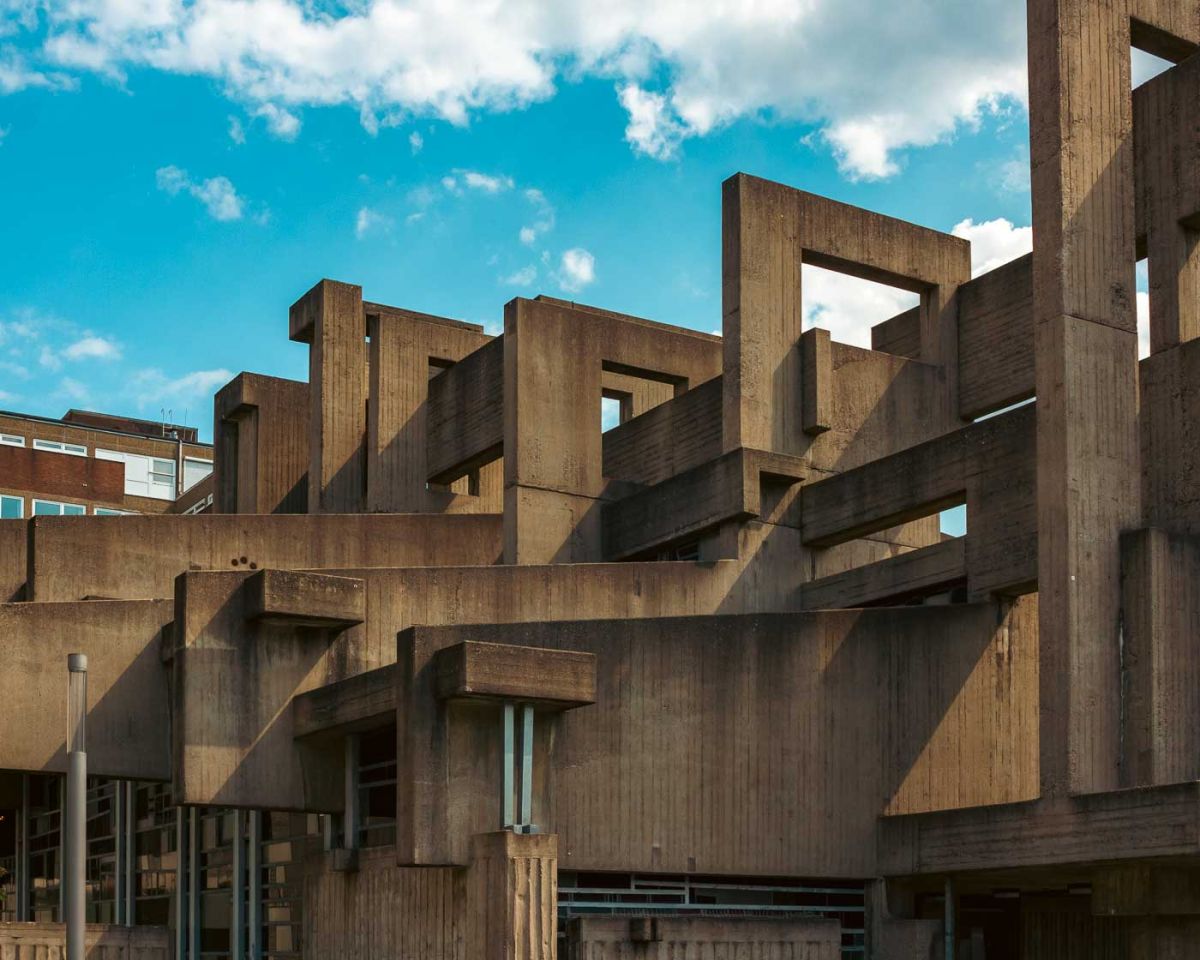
pixel 170 186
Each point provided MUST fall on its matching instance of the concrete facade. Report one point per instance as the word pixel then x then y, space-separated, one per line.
pixel 451 672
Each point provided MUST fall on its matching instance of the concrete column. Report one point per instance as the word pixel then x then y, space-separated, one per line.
pixel 1081 118
pixel 553 472
pixel 512 897
pixel 762 316
pixel 330 319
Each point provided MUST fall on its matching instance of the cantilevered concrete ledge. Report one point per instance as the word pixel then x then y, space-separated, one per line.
pixel 305 599
pixel 1135 824
pixel 495 671
pixel 361 702
pixel 918 572
pixel 727 488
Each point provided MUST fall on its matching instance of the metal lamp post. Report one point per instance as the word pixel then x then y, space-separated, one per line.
pixel 75 810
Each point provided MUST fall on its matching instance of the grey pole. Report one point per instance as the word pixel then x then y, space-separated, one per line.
pixel 75 812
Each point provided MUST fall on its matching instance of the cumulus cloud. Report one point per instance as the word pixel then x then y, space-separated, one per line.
pixel 848 307
pixel 368 220
pixel 577 270
pixel 993 242
pixel 282 123
pixel 91 347
pixel 459 181
pixel 653 129
pixel 72 389
pixel 543 217
pixel 49 359
pixel 217 194
pixel 877 78
pixel 153 388
pixel 522 278
pixel 416 142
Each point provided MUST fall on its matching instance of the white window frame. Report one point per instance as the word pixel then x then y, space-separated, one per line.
pixel 141 479
pixel 200 460
pixel 110 512
pixel 21 505
pixel 56 503
pixel 11 440
pixel 61 446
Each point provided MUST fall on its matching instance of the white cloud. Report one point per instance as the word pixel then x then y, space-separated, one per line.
pixel 416 142
pixel 7 397
pixel 848 307
pixel 3 134
pixel 93 348
pixel 237 133
pixel 49 359
pixel 1142 301
pixel 577 270
pixel 152 388
pixel 652 129
pixel 543 211
pixel 368 220
pixel 993 242
pixel 282 123
pixel 521 278
pixel 72 389
pixel 1143 324
pixel 878 78
pixel 216 193
pixel 16 74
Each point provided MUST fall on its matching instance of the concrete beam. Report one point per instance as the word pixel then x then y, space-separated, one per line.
pixel 304 599
pixel 474 670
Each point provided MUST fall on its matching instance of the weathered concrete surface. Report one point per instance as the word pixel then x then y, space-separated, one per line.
pixel 136 557
pixel 128 717
pixel 13 560
pixel 42 941
pixel 933 708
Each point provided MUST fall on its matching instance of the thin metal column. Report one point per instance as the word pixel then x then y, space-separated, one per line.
pixel 130 852
pixel 22 864
pixel 181 881
pixel 119 852
pixel 508 759
pixel 193 893
pixel 254 904
pixel 74 816
pixel 350 817
pixel 951 923
pixel 527 767
pixel 237 891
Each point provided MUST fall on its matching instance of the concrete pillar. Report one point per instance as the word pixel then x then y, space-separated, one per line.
pixel 762 316
pixel 512 896
pixel 553 471
pixel 330 319
pixel 1086 375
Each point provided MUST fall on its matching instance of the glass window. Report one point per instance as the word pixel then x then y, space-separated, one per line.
pixel 11 440
pixel 144 476
pixel 195 470
pixel 58 446
pixel 12 508
pixel 109 512
pixel 52 508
